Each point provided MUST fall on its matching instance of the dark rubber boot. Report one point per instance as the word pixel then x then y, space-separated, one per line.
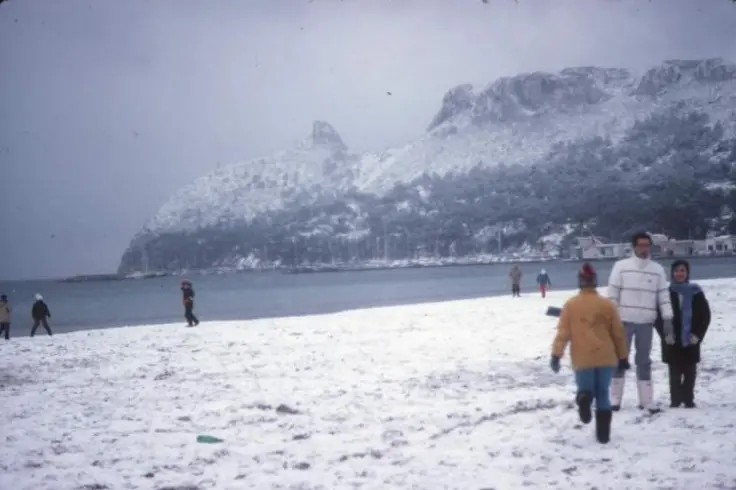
pixel 603 425
pixel 676 391
pixel 584 400
pixel 689 372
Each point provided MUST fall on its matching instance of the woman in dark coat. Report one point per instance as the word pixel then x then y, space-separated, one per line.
pixel 691 319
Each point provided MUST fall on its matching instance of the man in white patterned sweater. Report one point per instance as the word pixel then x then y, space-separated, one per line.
pixel 639 287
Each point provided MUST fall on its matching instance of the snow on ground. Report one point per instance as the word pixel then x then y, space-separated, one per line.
pixel 453 395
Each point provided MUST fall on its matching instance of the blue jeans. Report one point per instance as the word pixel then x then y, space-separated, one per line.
pixel 597 381
pixel 640 334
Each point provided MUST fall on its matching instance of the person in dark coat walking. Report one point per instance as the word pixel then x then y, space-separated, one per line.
pixel 187 294
pixel 5 316
pixel 691 321
pixel 40 313
pixel 515 276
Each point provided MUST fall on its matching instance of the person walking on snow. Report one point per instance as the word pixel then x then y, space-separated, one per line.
pixel 691 320
pixel 40 314
pixel 638 286
pixel 4 316
pixel 544 282
pixel 187 294
pixel 590 323
pixel 515 276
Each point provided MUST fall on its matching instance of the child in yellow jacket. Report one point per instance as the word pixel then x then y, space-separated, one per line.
pixel 591 324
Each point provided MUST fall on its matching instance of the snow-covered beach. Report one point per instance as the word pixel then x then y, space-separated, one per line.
pixel 454 395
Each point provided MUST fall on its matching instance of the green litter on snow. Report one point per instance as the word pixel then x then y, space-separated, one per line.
pixel 208 439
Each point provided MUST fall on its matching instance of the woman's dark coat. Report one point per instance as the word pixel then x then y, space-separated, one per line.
pixel 677 354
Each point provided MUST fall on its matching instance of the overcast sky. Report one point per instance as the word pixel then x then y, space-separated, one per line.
pixel 107 107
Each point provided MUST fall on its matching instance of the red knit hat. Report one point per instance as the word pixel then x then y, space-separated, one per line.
pixel 587 277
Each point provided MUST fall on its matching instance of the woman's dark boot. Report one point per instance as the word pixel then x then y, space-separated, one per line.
pixel 676 391
pixel 603 426
pixel 689 372
pixel 584 400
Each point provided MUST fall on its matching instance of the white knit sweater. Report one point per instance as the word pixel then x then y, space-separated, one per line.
pixel 639 287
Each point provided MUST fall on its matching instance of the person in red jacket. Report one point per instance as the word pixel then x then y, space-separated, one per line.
pixel 187 294
pixel 544 282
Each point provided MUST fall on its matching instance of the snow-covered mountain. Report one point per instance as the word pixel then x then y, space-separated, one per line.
pixel 518 119
pixel 319 163
pixel 513 121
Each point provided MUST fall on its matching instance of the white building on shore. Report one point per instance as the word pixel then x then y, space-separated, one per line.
pixel 720 245
pixel 592 247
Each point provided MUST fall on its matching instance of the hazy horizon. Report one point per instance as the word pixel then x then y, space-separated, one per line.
pixel 110 107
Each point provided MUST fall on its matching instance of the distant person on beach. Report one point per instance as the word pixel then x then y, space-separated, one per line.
pixel 639 287
pixel 544 282
pixel 187 294
pixel 590 323
pixel 5 316
pixel 691 320
pixel 515 276
pixel 40 313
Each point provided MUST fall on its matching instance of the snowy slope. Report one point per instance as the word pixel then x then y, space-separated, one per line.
pixel 425 396
pixel 517 120
pixel 244 190
pixel 514 120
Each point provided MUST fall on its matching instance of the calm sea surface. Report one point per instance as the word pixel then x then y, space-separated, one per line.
pixel 81 306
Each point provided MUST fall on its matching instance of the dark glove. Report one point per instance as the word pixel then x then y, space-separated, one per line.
pixel 554 364
pixel 669 332
pixel 623 365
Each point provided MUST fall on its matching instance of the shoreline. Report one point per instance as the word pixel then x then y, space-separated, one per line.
pixel 233 322
pixel 529 294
